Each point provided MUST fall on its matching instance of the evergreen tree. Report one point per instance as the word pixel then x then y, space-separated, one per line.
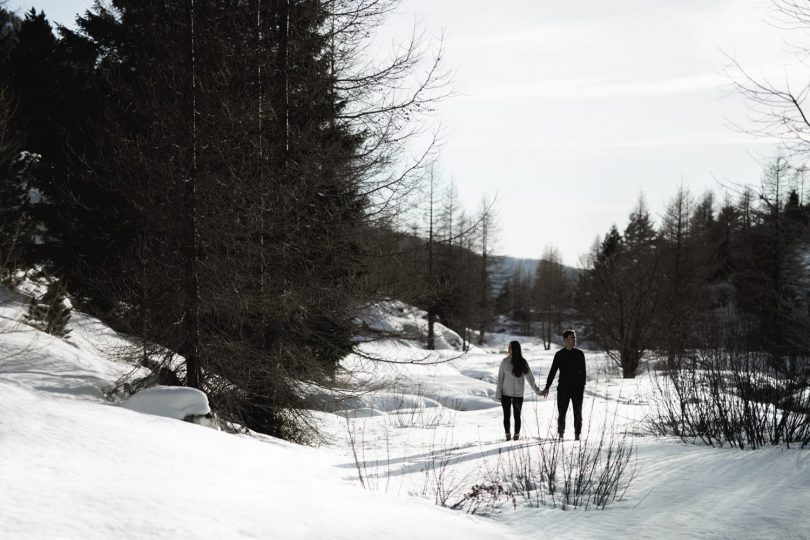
pixel 245 188
pixel 9 26
pixel 50 95
pixel 12 193
pixel 620 294
pixel 682 280
pixel 31 89
pixel 773 266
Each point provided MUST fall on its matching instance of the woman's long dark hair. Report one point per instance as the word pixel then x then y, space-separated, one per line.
pixel 519 364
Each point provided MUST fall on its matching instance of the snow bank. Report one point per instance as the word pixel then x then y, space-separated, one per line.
pixel 80 470
pixel 177 402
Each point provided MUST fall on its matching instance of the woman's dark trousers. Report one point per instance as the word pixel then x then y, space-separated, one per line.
pixel 516 404
pixel 574 395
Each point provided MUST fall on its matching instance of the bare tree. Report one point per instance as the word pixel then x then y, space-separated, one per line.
pixel 522 305
pixel 450 264
pixel 485 306
pixel 778 110
pixel 386 100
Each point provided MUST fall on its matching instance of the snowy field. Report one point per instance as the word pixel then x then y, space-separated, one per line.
pixel 75 466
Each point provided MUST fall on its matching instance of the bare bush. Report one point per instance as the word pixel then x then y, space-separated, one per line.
pixel 588 474
pixel 485 498
pixel 738 398
pixel 442 479
pixel 442 482
pixel 369 471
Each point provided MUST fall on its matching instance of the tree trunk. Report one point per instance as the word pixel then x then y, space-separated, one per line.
pixel 630 361
pixel 431 338
pixel 191 314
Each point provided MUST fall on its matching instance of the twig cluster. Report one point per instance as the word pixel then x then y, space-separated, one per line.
pixel 733 398
pixel 589 475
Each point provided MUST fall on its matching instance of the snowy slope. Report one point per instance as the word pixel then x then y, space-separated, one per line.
pixel 74 466
pixel 78 469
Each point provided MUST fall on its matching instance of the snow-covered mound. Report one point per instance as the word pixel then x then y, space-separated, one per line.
pixel 177 402
pixel 402 320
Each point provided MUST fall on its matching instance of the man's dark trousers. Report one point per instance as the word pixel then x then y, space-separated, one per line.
pixel 575 395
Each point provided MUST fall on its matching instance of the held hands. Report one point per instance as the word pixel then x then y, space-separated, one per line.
pixel 543 392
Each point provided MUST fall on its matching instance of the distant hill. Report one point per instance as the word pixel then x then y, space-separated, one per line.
pixel 505 267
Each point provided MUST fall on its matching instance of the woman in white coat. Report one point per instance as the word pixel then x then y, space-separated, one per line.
pixel 512 375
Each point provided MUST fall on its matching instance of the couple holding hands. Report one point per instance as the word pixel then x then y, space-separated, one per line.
pixel 515 371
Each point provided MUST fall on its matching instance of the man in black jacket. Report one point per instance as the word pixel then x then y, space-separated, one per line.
pixel 571 387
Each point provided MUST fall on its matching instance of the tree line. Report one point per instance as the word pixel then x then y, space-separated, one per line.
pixel 707 273
pixel 703 271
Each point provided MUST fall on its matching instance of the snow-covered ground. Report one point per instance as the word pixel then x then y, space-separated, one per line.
pixel 72 465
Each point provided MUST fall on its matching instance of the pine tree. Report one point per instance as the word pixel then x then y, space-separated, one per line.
pixel 49 86
pixel 31 88
pixel 13 195
pixel 682 281
pixel 620 294
pixel 245 188
pixel 771 266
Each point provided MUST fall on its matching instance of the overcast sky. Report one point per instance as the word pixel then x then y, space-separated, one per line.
pixel 568 111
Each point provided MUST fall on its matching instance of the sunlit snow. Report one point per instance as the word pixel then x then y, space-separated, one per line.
pixel 77 466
